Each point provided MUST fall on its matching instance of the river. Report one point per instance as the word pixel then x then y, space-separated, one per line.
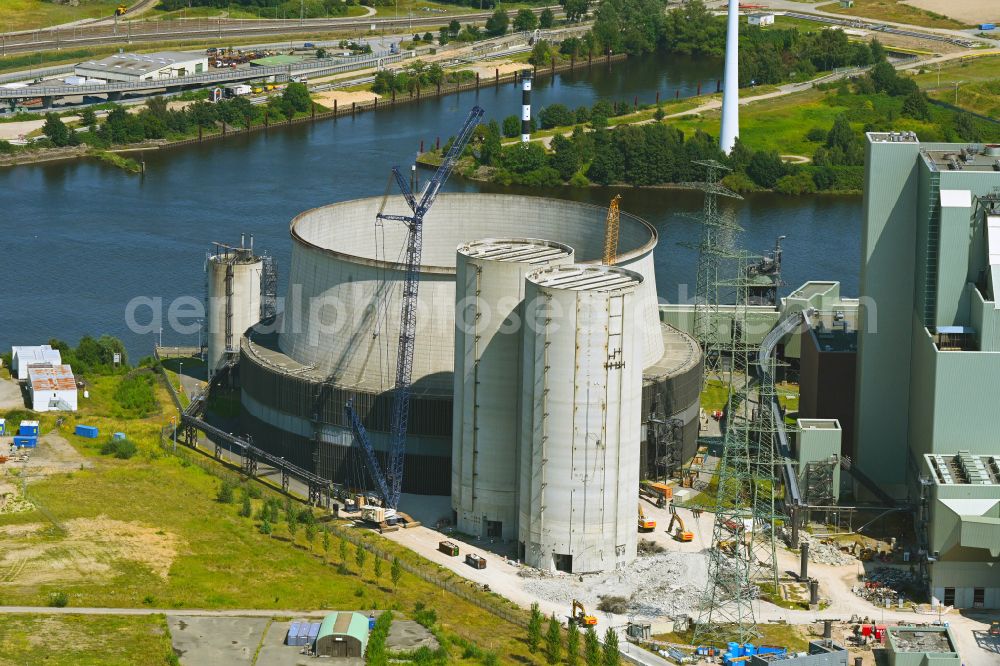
pixel 81 239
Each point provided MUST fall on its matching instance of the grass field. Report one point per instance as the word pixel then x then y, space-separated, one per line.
pixel 978 81
pixel 897 12
pixel 237 13
pixel 793 637
pixel 29 14
pixel 84 640
pixel 148 531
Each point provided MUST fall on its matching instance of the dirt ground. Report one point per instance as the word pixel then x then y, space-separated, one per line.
pixel 53 455
pixel 967 11
pixel 343 97
pixel 33 556
pixel 10 391
pixel 488 69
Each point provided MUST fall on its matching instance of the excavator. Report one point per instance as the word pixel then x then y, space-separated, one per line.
pixel 682 533
pixel 120 10
pixel 645 524
pixel 580 617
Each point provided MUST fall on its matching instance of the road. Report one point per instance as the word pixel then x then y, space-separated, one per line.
pixel 191 612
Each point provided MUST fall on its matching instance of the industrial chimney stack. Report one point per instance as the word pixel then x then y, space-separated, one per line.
pixel 525 106
pixel 731 86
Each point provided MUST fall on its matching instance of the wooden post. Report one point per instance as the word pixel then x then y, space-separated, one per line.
pixel 266 123
pixel 477 80
pixel 677 94
pixel 199 133
pixel 590 60
pixel 552 69
pixel 497 75
pixel 354 108
pixel 421 146
pixel 393 96
pixel 635 103
pixel 699 90
pixel 572 62
pixel 223 128
pixel 312 110
pixel 437 144
pixel 418 90
pixel 718 85
pixel 375 103
pixel 657 97
pixel 334 108
pixel 439 88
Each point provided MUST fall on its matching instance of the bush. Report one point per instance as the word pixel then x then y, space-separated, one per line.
pixel 556 115
pixel 816 135
pixel 798 183
pixel 423 615
pixel 135 395
pixel 225 494
pixel 58 600
pixel 123 449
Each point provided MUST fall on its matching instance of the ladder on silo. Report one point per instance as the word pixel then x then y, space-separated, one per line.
pixel 229 304
pixel 932 248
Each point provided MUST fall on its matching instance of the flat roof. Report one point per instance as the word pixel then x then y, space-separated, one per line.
pixel 819 424
pixel 921 639
pixel 56 378
pixel 521 250
pixel 579 277
pixel 964 468
pixel 140 63
pixel 963 158
pixel 276 60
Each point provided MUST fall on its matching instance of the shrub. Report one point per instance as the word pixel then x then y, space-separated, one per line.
pixel 797 183
pixel 816 135
pixel 59 600
pixel 123 449
pixel 225 494
pixel 423 615
pixel 135 395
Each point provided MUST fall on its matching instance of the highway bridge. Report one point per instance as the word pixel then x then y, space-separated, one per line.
pixel 133 32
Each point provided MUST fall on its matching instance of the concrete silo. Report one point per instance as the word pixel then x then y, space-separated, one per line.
pixel 580 414
pixel 233 277
pixel 489 288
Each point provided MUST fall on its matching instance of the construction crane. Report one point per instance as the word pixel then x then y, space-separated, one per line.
pixel 580 617
pixel 682 533
pixel 645 524
pixel 390 482
pixel 611 233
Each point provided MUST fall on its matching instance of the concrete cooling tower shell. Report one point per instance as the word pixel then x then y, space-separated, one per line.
pixel 581 396
pixel 234 294
pixel 337 337
pixel 489 288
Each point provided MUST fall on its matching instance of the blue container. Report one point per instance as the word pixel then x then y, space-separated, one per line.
pixel 28 428
pixel 3 427
pixel 87 431
pixel 24 442
pixel 313 632
pixel 293 633
pixel 987 26
pixel 119 435
pixel 371 622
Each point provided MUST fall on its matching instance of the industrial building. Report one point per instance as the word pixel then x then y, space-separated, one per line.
pixel 337 339
pixel 136 67
pixel 921 646
pixel 25 358
pixel 52 388
pixel 240 287
pixel 342 634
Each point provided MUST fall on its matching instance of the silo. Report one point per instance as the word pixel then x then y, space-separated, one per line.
pixel 234 300
pixel 489 287
pixel 580 404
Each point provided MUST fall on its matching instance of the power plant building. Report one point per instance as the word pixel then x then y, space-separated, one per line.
pixel 489 324
pixel 580 403
pixel 337 340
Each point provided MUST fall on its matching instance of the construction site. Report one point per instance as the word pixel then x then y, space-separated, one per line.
pixel 490 380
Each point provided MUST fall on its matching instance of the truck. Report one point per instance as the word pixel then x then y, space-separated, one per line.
pixel 238 90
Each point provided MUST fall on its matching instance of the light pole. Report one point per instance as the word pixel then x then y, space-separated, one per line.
pixel 201 323
pixel 180 377
pixel 957 84
pixel 160 343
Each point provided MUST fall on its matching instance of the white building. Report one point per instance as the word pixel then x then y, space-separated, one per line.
pixel 136 67
pixel 23 358
pixel 761 19
pixel 53 389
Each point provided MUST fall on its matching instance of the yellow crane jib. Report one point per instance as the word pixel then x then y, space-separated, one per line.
pixel 611 233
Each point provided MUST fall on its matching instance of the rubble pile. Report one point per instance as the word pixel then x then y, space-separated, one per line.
pixel 824 552
pixel 884 585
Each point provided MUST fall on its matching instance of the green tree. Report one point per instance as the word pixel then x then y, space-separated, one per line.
pixel 572 644
pixel 246 510
pixel 265 526
pixel 610 654
pixel 525 21
pixel 55 130
pixel 88 118
pixel 395 572
pixel 310 535
pixel 497 24
pixel 565 157
pixel 360 557
pixel 534 628
pixel 541 53
pixel 575 9
pixel 378 568
pixel 491 149
pixel 444 35
pixel 766 168
pixel 547 19
pixel 293 528
pixel 343 549
pixel 915 106
pixel 428 37
pixel 454 27
pixel 326 542
pixel 553 641
pixel 511 126
pixel 225 494
pixel 591 648
pixel 296 96
pixel 556 115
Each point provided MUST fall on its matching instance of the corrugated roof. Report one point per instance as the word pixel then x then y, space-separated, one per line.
pixel 56 378
pixel 345 624
pixel 141 63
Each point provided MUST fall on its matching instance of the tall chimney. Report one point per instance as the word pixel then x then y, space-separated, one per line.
pixel 731 86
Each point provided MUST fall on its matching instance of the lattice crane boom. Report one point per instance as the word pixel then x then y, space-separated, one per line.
pixel 611 233
pixel 391 481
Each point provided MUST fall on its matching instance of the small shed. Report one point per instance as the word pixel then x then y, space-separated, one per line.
pixel 53 388
pixel 760 19
pixel 342 635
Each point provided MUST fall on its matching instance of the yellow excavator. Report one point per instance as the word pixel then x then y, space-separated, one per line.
pixel 682 533
pixel 645 524
pixel 580 617
pixel 120 10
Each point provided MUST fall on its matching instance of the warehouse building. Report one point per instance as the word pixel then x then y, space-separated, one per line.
pixel 52 388
pixel 25 358
pixel 342 635
pixel 138 67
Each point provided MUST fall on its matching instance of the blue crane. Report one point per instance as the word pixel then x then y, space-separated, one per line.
pixel 390 483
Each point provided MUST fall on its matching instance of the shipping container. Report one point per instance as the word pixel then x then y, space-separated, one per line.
pixel 448 548
pixel 987 26
pixel 313 632
pixel 3 426
pixel 28 428
pixel 293 633
pixel 119 435
pixel 25 442
pixel 303 637
pixel 87 431
pixel 475 561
